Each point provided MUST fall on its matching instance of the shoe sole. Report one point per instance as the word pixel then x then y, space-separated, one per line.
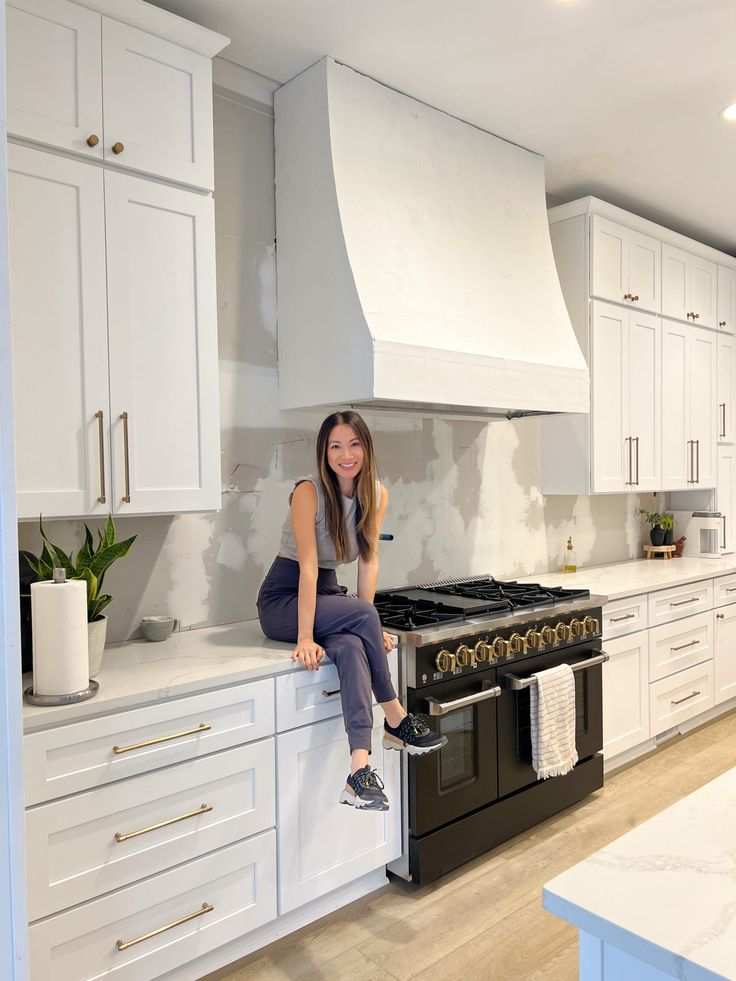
pixel 391 742
pixel 356 802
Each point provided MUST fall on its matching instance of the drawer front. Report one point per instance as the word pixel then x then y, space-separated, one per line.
pixel 681 644
pixel 680 697
pixel 674 604
pixel 92 843
pixel 625 616
pixel 724 590
pixel 81 755
pixel 303 697
pixel 238 882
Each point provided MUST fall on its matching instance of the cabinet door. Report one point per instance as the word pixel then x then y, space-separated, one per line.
pixel 626 693
pixel 59 322
pixel 324 844
pixel 609 260
pixel 610 446
pixel 727 299
pixel 724 660
pixel 726 497
pixel 645 271
pixel 158 105
pixel 703 398
pixel 54 74
pixel 644 371
pixel 726 374
pixel 703 289
pixel 675 265
pixel 675 402
pixel 163 347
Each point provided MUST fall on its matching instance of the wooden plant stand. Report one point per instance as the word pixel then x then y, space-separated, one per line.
pixel 666 551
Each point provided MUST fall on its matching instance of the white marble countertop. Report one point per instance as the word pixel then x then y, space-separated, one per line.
pixel 638 575
pixel 665 892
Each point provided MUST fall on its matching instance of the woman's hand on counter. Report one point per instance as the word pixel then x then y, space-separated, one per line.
pixel 388 642
pixel 308 653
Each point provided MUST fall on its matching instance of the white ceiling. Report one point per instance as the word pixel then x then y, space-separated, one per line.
pixel 621 96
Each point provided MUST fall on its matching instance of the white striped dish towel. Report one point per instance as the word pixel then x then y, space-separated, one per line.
pixel 552 717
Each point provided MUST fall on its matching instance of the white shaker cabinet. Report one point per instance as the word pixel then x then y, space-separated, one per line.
pixel 726 378
pixel 625 265
pixel 727 299
pixel 724 686
pixel 626 693
pixel 726 494
pixel 689 287
pixel 703 399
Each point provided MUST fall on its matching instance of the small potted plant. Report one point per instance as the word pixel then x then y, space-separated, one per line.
pixel 667 522
pixel 92 563
pixel 655 519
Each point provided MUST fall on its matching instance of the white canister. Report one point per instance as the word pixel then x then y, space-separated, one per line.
pixel 60 657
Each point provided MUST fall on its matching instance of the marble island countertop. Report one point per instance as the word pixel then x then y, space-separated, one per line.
pixel 665 893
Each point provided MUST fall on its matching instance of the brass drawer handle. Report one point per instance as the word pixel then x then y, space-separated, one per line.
pixel 202 727
pixel 731 589
pixel 126 495
pixel 690 643
pixel 329 694
pixel 124 944
pixel 100 416
pixel 693 599
pixel 626 616
pixel 678 701
pixel 202 809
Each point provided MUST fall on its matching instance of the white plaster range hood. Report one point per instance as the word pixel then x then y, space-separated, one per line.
pixel 415 268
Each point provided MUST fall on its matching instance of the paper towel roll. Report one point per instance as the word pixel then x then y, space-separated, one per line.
pixel 60 658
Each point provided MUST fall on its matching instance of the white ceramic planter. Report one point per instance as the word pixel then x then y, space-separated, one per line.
pixel 96 633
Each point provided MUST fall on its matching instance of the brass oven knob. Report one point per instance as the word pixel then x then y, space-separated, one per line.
pixel 445 661
pixel 578 627
pixel 483 651
pixel 548 635
pixel 517 644
pixel 563 631
pixel 591 625
pixel 465 656
pixel 501 647
pixel 533 639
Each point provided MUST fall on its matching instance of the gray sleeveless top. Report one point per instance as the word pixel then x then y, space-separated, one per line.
pixel 326 557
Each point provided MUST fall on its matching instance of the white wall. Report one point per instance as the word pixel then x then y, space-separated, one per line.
pixel 464 496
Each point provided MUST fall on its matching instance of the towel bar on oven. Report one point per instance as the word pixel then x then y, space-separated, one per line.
pixel 516 684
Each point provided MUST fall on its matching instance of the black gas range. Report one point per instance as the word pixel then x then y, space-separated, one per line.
pixel 468 650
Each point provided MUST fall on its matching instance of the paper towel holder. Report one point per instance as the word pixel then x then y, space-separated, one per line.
pixel 48 700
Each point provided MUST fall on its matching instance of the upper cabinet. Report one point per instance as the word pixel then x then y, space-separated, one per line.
pixel 85 83
pixel 727 299
pixel 625 265
pixel 689 287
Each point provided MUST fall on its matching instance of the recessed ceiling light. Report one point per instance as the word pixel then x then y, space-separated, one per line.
pixel 729 113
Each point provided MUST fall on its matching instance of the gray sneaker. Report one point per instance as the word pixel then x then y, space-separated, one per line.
pixel 364 789
pixel 412 734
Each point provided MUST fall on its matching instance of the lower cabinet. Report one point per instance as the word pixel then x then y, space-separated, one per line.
pixel 626 693
pixel 724 685
pixel 323 844
pixel 680 697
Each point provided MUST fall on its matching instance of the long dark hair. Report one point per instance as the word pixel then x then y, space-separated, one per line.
pixel 366 504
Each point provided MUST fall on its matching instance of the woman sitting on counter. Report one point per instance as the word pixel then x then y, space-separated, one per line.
pixel 336 518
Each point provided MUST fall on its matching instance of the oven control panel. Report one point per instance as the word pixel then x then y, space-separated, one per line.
pixel 470 653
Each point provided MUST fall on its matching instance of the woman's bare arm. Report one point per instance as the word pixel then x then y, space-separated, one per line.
pixel 303 517
pixel 368 569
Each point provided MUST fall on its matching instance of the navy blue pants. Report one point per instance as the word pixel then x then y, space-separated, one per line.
pixel 347 628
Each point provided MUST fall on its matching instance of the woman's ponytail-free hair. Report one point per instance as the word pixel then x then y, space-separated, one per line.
pixel 366 504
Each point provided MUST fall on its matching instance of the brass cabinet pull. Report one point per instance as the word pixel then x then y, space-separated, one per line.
pixel 693 599
pixel 696 316
pixel 329 694
pixel 690 467
pixel 124 944
pixel 721 323
pixel 202 727
pixel 626 616
pixel 99 415
pixel 202 809
pixel 731 589
pixel 723 519
pixel 720 616
pixel 678 701
pixel 722 407
pixel 93 140
pixel 697 461
pixel 118 147
pixel 635 299
pixel 126 453
pixel 629 482
pixel 628 296
pixel 690 643
pixel 636 440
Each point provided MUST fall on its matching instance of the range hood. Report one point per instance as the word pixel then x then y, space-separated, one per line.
pixel 415 268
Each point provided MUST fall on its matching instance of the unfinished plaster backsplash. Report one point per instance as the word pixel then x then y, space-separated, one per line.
pixel 463 496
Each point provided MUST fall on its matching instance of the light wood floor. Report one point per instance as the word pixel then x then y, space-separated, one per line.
pixel 485 921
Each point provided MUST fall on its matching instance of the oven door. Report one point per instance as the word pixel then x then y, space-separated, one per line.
pixel 514 729
pixel 461 776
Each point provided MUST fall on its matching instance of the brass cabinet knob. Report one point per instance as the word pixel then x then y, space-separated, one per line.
pixel 720 616
pixel 517 644
pixel 696 316
pixel 577 627
pixel 627 296
pixel 563 631
pixel 591 625
pixel 93 140
pixel 533 639
pixel 118 147
pixel 501 647
pixel 635 299
pixel 721 323
pixel 445 661
pixel 465 656
pixel 548 635
pixel 483 651
pixel 689 315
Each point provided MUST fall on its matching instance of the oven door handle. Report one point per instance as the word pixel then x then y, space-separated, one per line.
pixel 436 707
pixel 517 684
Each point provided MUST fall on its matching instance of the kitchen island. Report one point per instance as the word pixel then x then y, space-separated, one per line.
pixel 659 902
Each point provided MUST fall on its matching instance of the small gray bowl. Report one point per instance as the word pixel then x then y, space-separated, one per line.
pixel 157 628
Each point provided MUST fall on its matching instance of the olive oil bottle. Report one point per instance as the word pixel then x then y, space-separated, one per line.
pixel 570 562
